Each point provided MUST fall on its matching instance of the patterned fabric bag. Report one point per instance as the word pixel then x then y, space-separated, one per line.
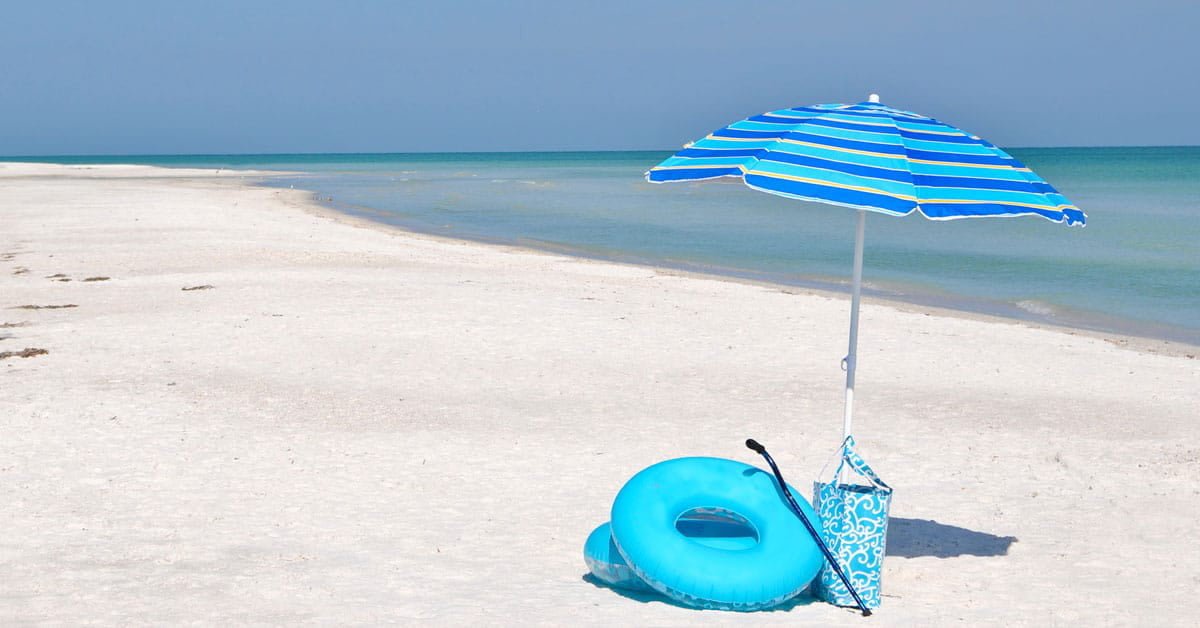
pixel 854 521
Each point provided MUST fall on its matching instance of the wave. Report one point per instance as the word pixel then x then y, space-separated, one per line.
pixel 1040 308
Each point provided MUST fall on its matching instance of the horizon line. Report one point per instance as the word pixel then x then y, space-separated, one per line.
pixel 14 158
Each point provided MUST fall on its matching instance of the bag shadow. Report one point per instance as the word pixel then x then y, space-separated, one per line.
pixel 911 538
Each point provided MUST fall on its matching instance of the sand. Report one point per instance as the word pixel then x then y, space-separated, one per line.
pixel 268 414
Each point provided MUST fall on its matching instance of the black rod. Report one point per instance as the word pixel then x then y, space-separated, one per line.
pixel 756 447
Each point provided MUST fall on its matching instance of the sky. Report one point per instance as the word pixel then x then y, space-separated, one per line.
pixel 190 76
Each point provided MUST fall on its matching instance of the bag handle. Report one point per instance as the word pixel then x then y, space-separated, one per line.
pixel 849 456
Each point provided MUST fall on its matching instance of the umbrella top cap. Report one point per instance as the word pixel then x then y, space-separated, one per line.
pixel 873 98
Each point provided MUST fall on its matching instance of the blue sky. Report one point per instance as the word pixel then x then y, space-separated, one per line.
pixel 120 77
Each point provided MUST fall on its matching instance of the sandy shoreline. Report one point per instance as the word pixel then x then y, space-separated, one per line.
pixel 359 425
pixel 312 203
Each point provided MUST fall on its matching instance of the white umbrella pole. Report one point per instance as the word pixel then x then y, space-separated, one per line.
pixel 856 294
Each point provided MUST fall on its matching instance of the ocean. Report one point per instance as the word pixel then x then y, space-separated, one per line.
pixel 1134 269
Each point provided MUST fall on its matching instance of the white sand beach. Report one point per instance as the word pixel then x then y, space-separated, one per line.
pixel 253 411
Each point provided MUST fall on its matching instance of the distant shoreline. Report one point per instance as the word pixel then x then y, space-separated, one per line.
pixel 1117 331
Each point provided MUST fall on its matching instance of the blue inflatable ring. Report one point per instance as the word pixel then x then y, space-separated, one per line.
pixel 604 561
pixel 714 533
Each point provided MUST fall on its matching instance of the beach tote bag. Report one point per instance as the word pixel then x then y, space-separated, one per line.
pixel 854 519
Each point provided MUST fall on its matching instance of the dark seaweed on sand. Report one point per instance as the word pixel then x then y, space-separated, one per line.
pixel 27 352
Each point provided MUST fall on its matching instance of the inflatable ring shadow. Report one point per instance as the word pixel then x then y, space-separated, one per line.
pixel 648 597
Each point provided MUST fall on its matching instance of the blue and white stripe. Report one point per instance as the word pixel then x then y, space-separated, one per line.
pixel 870 156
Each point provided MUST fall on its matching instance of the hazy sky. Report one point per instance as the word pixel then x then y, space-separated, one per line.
pixel 119 77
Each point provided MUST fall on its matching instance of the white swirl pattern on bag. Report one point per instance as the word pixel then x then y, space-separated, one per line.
pixel 854 525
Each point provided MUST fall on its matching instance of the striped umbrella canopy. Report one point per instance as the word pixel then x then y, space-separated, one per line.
pixel 870 157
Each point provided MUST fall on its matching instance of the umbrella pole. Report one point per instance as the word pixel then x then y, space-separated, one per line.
pixel 856 294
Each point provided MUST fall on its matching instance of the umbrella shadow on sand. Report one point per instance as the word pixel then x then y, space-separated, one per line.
pixel 912 538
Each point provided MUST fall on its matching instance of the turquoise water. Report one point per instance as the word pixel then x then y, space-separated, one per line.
pixel 1134 269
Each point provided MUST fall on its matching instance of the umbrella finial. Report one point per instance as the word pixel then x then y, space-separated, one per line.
pixel 873 98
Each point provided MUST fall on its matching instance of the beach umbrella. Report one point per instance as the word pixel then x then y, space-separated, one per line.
pixel 869 157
